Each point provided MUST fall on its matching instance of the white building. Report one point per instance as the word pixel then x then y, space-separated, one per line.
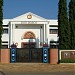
pixel 27 29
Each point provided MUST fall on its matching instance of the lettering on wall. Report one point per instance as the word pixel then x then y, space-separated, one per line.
pixel 68 54
pixel 29 22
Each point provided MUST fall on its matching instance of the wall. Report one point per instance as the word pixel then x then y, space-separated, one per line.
pixel 67 54
pixel 53 56
pixel 53 37
pixel 22 29
pixel 5 55
pixel 5 37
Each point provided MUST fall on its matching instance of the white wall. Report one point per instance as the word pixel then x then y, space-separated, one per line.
pixel 6 21
pixel 35 28
pixel 53 22
pixel 5 37
pixel 52 36
pixel 22 29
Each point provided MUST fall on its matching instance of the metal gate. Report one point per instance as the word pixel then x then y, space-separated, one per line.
pixel 29 55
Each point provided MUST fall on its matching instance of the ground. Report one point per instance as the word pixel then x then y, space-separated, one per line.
pixel 36 67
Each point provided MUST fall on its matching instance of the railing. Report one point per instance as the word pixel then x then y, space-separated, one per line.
pixel 29 55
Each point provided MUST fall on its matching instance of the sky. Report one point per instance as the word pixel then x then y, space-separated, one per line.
pixel 45 8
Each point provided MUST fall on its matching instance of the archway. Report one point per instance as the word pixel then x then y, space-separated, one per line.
pixel 29 36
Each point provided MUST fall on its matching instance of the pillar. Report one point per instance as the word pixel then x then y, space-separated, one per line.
pixel 53 56
pixel 5 55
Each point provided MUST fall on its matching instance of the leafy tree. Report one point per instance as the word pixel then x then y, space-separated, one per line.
pixel 63 26
pixel 1 18
pixel 72 22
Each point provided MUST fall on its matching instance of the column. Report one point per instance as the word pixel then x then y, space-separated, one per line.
pixel 44 33
pixel 47 32
pixel 11 33
pixel 41 36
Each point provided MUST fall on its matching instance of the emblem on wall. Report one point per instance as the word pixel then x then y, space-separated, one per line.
pixel 29 35
pixel 29 16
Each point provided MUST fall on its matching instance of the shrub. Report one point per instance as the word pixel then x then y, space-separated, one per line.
pixel 67 61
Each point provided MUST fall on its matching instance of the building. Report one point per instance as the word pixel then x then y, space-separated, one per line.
pixel 30 32
pixel 30 29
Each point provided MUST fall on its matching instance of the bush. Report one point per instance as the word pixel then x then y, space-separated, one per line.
pixel 67 61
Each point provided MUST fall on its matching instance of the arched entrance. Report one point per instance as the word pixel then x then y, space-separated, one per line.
pixel 30 37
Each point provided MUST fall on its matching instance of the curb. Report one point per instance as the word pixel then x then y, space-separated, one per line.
pixel 67 63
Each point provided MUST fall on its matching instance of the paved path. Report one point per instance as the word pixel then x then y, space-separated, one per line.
pixel 52 73
pixel 37 69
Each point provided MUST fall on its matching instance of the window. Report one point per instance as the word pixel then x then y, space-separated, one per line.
pixel 5 31
pixel 4 46
pixel 53 31
pixel 53 25
pixel 5 25
pixel 4 41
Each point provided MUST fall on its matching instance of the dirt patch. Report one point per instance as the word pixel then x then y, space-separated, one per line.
pixel 36 67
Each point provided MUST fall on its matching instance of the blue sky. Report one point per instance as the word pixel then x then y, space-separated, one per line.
pixel 44 8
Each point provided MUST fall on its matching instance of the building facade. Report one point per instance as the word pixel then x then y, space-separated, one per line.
pixel 29 29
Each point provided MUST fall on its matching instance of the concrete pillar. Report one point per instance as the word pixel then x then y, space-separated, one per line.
pixel 44 32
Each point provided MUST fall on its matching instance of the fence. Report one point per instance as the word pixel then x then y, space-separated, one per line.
pixel 29 55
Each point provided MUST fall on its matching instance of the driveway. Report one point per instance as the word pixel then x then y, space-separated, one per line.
pixel 37 69
pixel 51 73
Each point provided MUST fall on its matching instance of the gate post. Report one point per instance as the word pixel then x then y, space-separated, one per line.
pixel 45 54
pixel 5 56
pixel 13 53
pixel 53 56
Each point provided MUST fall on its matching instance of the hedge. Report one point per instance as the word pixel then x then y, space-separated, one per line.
pixel 67 61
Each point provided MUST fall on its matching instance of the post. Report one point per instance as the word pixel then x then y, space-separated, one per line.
pixel 13 53
pixel 5 56
pixel 45 54
pixel 53 56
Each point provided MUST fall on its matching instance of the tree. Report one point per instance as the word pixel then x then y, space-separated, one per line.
pixel 63 26
pixel 1 20
pixel 72 22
